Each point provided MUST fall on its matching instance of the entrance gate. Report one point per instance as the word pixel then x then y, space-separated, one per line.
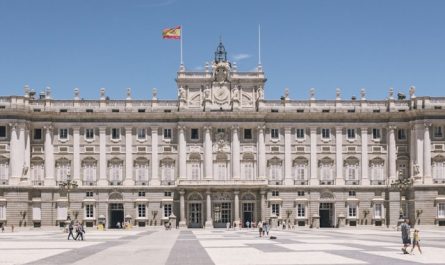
pixel 248 213
pixel 326 214
pixel 195 215
pixel 116 215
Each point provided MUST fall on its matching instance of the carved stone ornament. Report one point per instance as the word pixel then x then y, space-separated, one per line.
pixel 221 196
pixel 327 195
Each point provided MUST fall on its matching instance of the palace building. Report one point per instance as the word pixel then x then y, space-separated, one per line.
pixel 221 153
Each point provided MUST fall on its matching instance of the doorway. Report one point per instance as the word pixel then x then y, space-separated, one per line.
pixel 326 214
pixel 116 215
pixel 222 214
pixel 195 215
pixel 247 214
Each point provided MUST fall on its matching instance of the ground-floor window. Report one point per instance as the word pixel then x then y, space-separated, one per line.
pixel 352 211
pixel 276 209
pixel 36 213
pixel 378 211
pixel 167 210
pixel 301 210
pixel 440 210
pixel 2 212
pixel 62 213
pixel 141 211
pixel 89 211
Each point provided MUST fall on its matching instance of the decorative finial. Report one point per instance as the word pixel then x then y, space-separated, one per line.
pixel 154 93
pixel 234 67
pixel 391 93
pixel 286 93
pixel 412 91
pixel 48 92
pixel 206 67
pixel 76 94
pixel 102 94
pixel 362 94
pixel 312 93
pixel 128 93
pixel 26 89
pixel 337 94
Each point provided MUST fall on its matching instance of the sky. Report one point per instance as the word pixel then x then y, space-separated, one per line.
pixel 321 44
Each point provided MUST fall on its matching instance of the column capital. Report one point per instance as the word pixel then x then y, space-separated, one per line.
pixel 208 192
pixel 76 128
pixel 313 129
pixel 392 127
pixel 338 129
pixel 364 128
pixel 207 128
pixel 48 127
pixel 182 192
pixel 236 192
pixel 235 128
pixel 262 192
pixel 427 125
pixel 128 128
pixel 154 128
pixel 102 128
pixel 261 127
pixel 181 128
pixel 287 129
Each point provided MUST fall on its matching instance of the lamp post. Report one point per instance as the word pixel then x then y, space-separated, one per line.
pixel 403 185
pixel 68 185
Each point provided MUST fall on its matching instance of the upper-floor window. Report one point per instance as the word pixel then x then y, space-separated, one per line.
pixel 194 134
pixel 275 209
pixel 401 134
pixel 167 133
pixel 300 193
pixel 350 134
pixel 300 133
pixel 441 210
pixel 2 131
pixel 352 212
pixel 437 131
pixel 89 194
pixel 325 133
pixel 141 193
pixel 115 133
pixel 37 134
pixel 248 134
pixel 141 133
pixel 167 193
pixel 376 134
pixel 63 133
pixel 89 133
pixel 275 193
pixel 274 133
pixel 352 193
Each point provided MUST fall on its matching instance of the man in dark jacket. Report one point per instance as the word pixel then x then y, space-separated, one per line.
pixel 406 235
pixel 70 230
pixel 80 231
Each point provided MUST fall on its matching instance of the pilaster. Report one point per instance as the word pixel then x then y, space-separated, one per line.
pixel 261 153
pixel 208 153
pixel 392 153
pixel 235 153
pixel 365 161
pixel 182 153
pixel 288 181
pixel 129 180
pixel 209 222
pixel 49 157
pixel 182 220
pixel 237 215
pixel 313 138
pixel 340 180
pixel 76 154
pixel 102 157
pixel 154 158
pixel 427 155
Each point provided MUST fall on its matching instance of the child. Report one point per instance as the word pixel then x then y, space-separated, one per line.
pixel 416 241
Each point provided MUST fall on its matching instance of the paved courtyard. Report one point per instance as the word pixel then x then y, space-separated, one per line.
pixel 219 247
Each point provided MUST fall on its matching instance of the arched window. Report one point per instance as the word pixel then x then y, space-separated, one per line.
pixel 115 170
pixel 275 169
pixel 377 171
pixel 248 167
pixel 89 166
pixel 63 169
pixel 352 169
pixel 439 168
pixel 141 165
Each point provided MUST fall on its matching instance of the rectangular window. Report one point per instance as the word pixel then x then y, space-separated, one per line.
pixel 437 131
pixel 115 133
pixel 300 193
pixel 352 193
pixel 352 212
pixel 440 210
pixel 2 212
pixel 378 213
pixel 89 194
pixel 351 133
pixel 276 209
pixel 167 194
pixel 401 134
pixel 62 213
pixel 275 193
pixel 37 134
pixel 141 211
pixel 325 133
pixel 36 213
pixel 141 133
pixel 89 133
pixel 167 133
pixel 300 133
pixel 194 134
pixel 63 133
pixel 248 134
pixel 2 131
pixel 274 133
pixel 141 194
pixel 376 133
pixel 301 210
pixel 301 172
pixel 89 211
pixel 167 210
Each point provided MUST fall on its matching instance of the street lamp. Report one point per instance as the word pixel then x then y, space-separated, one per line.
pixel 403 185
pixel 68 185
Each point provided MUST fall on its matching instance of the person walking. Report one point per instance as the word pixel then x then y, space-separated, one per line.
pixel 70 231
pixel 260 228
pixel 266 228
pixel 80 231
pixel 3 228
pixel 406 238
pixel 416 242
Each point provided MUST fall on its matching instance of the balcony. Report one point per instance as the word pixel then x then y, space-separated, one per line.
pixel 4 182
pixel 141 182
pixel 275 182
pixel 352 182
pixel 214 182
pixel 377 182
pixel 301 182
pixel 327 182
pixel 439 181
pixel 115 183
pixel 89 183
pixel 37 182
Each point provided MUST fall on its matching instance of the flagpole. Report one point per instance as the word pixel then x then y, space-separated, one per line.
pixel 181 36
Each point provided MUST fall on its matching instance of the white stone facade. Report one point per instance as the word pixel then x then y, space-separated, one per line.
pixel 221 153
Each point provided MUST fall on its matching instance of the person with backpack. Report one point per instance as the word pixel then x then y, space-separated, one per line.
pixel 70 231
pixel 80 231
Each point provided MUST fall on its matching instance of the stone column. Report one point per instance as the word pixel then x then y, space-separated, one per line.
pixel 103 181
pixel 208 153
pixel 365 162
pixel 340 180
pixel 287 157
pixel 182 153
pixel 27 157
pixel 129 181
pixel 263 205
pixel 420 134
pixel 182 220
pixel 236 202
pixel 427 155
pixel 313 138
pixel 412 149
pixel 209 222
pixel 392 155
pixel 14 154
pixel 154 158
pixel 235 153
pixel 49 157
pixel 76 154
pixel 261 153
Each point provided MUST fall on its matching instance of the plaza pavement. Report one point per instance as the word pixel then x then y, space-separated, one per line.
pixel 218 246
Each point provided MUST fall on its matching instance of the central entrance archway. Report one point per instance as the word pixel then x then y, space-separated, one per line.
pixel 116 215
pixel 195 210
pixel 326 214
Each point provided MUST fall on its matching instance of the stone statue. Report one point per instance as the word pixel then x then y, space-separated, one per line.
pixel 362 94
pixel 286 93
pixel 235 94
pixel 154 93
pixel 312 93
pixel 337 94
pixel 181 93
pixel 391 93
pixel 102 93
pixel 416 169
pixel 260 93
pixel 128 93
pixel 76 94
pixel 412 91
pixel 207 93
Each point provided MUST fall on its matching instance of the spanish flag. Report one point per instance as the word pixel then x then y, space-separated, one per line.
pixel 172 33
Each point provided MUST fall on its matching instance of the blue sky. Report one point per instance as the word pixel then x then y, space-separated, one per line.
pixel 321 44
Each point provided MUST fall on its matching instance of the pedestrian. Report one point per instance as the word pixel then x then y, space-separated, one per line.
pixel 70 231
pixel 228 225
pixel 266 228
pixel 118 225
pixel 12 228
pixel 3 228
pixel 260 228
pixel 406 238
pixel 284 225
pixel 416 241
pixel 80 231
pixel 247 224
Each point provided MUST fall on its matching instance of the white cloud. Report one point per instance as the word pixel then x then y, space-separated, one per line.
pixel 241 56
